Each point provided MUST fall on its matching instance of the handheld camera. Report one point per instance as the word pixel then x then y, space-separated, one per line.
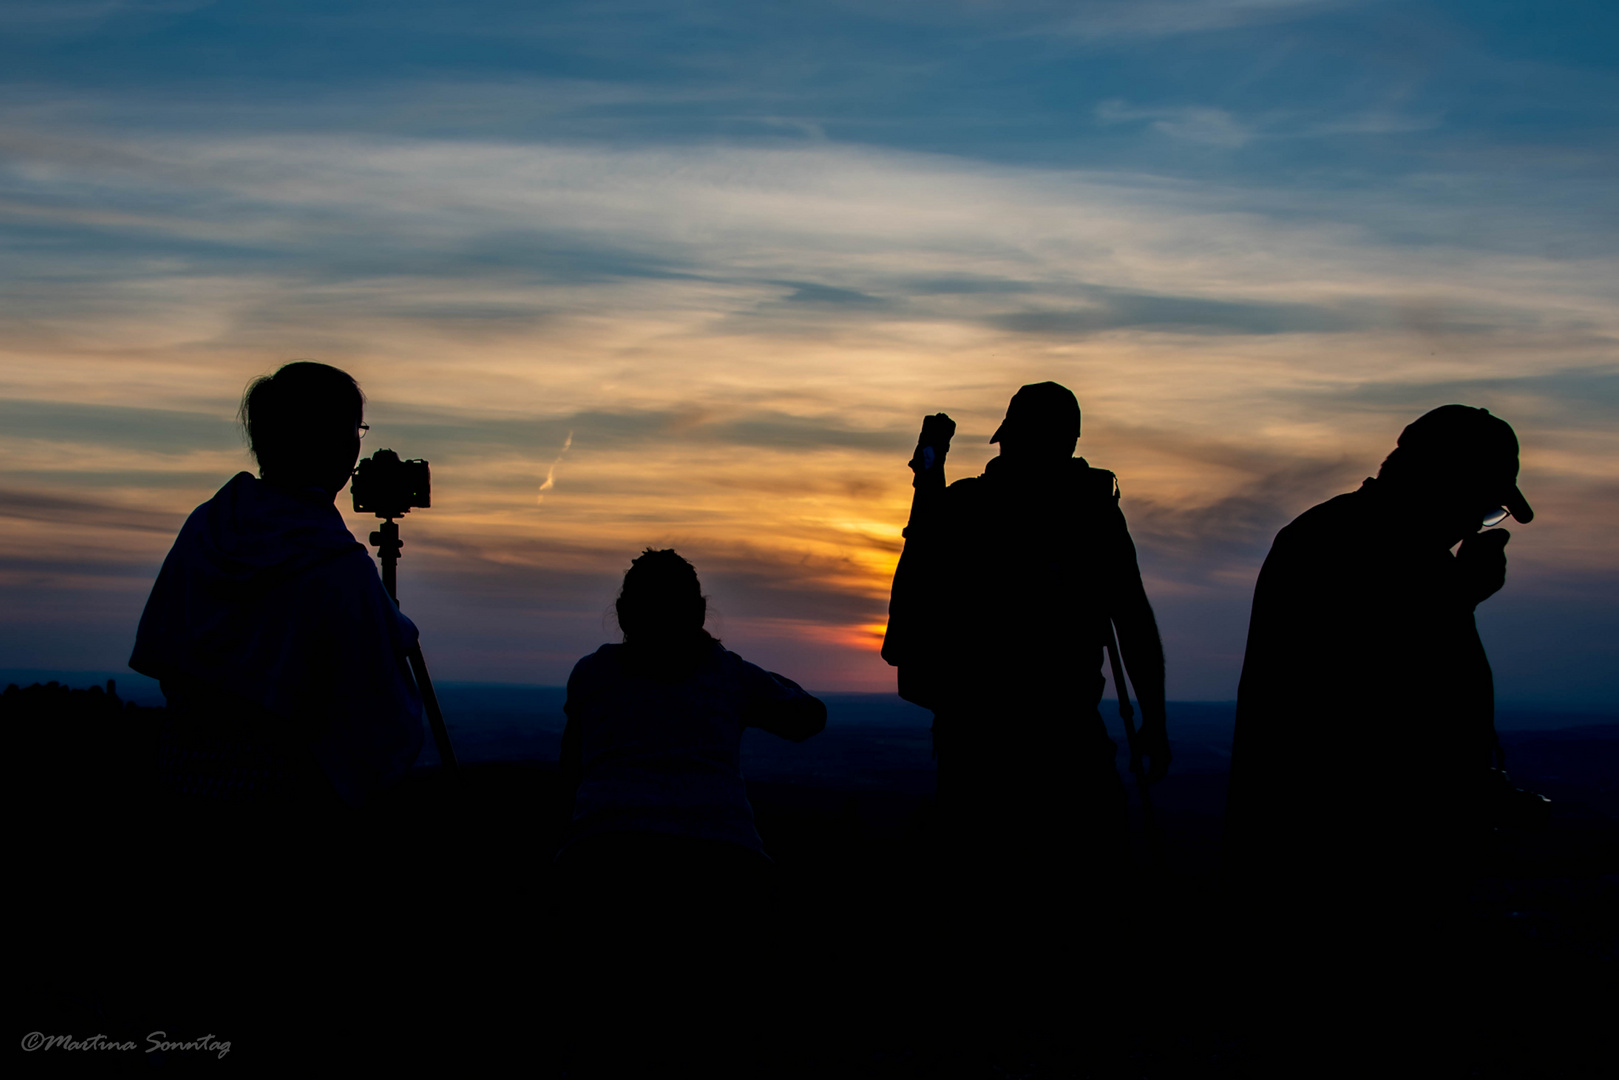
pixel 933 444
pixel 389 487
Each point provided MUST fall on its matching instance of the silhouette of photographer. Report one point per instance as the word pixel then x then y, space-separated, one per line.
pixel 280 655
pixel 1365 743
pixel 289 706
pixel 1003 603
pixel 668 883
pixel 1000 612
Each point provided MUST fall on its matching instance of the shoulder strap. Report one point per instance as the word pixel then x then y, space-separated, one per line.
pixel 1095 483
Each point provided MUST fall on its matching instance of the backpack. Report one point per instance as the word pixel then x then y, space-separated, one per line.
pixel 925 599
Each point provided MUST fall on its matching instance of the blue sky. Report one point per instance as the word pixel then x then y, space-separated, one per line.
pixel 727 254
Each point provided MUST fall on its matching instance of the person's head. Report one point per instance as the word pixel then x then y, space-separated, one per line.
pixel 1462 464
pixel 661 598
pixel 303 425
pixel 1041 425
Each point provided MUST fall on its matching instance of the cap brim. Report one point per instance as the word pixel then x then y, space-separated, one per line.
pixel 1518 506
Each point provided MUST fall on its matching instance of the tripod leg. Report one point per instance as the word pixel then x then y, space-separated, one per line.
pixel 435 718
pixel 1149 819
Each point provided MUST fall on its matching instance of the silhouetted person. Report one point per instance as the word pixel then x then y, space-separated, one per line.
pixel 1362 781
pixel 282 660
pixel 1365 715
pixel 666 875
pixel 1000 611
pixel 280 655
pixel 998 622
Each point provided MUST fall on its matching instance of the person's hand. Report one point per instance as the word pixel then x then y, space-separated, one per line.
pixel 933 443
pixel 1482 559
pixel 1153 741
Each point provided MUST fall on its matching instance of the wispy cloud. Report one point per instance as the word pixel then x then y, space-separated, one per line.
pixel 1216 127
pixel 551 473
pixel 1210 126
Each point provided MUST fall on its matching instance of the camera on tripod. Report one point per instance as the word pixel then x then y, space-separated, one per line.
pixel 388 487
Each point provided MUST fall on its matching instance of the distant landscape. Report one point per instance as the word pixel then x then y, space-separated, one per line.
pixel 878 742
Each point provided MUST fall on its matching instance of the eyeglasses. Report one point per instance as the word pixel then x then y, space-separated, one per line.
pixel 360 430
pixel 1496 516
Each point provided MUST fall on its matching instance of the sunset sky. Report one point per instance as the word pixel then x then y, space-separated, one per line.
pixel 690 274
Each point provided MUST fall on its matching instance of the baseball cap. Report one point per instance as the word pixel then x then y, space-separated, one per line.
pixel 1468 439
pixel 1044 407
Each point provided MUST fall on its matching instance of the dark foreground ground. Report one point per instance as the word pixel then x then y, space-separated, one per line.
pixel 433 939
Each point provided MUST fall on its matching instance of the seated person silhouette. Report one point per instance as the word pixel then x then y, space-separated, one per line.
pixel 666 875
pixel 281 657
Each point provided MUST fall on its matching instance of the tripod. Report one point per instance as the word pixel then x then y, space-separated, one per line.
pixel 387 542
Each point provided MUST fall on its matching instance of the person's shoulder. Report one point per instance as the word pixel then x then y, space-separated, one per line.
pixel 607 655
pixel 244 485
pixel 732 668
pixel 234 491
pixel 1093 482
pixel 726 660
pixel 241 492
pixel 594 669
pixel 1329 515
pixel 1322 526
pixel 259 523
pixel 965 494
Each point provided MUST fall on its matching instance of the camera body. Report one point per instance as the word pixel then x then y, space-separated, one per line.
pixel 933 444
pixel 388 487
